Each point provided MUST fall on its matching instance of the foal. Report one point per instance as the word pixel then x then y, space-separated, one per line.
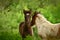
pixel 25 27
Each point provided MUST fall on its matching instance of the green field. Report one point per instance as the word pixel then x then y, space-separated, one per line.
pixel 11 15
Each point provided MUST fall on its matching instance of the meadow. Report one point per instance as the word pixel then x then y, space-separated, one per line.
pixel 12 15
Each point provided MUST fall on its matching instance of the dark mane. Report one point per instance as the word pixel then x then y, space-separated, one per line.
pixel 34 18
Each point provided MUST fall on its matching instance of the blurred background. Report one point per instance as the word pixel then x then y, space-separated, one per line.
pixel 11 15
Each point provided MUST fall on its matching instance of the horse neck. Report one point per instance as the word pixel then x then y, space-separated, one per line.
pixel 42 21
